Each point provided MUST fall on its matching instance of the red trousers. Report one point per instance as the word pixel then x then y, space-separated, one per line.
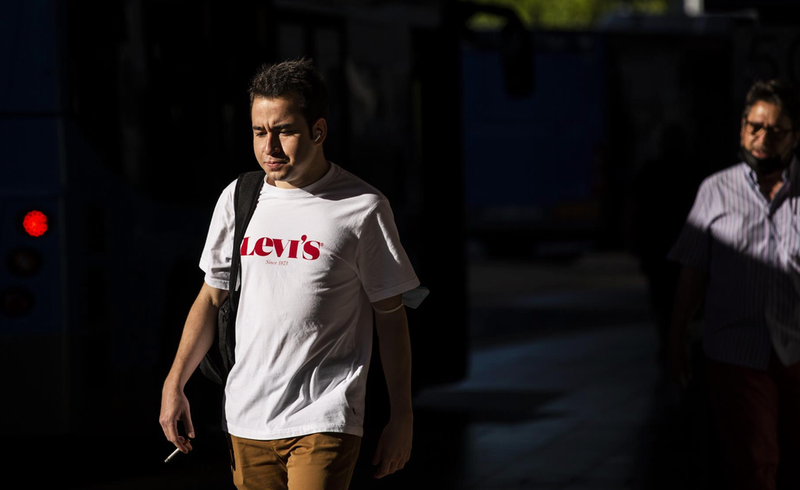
pixel 757 416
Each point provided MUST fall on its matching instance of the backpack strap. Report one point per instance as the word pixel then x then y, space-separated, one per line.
pixel 245 199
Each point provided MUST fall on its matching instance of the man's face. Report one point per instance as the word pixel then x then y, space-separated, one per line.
pixel 282 143
pixel 766 133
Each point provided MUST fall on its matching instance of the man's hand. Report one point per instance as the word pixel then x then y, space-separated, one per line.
pixel 197 337
pixel 394 446
pixel 679 360
pixel 689 295
pixel 175 407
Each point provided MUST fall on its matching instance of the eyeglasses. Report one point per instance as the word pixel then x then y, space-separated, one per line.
pixel 773 132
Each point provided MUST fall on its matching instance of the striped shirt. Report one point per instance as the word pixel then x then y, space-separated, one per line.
pixel 750 248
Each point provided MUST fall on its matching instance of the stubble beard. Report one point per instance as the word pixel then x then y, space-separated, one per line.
pixel 281 174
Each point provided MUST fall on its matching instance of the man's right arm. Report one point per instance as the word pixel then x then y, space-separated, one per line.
pixel 691 290
pixel 197 338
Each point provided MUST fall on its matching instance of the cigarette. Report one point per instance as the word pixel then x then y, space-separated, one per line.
pixel 174 453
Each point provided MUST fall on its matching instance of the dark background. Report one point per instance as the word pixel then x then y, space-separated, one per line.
pixel 123 121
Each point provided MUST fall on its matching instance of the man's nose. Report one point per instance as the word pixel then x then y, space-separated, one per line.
pixel 272 145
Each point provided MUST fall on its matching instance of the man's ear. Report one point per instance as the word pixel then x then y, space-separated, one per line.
pixel 319 131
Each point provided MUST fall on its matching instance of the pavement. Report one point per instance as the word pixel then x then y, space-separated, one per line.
pixel 564 391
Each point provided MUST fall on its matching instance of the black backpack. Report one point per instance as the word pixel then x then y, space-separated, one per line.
pixel 220 357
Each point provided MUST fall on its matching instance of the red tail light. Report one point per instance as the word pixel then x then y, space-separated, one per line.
pixel 35 223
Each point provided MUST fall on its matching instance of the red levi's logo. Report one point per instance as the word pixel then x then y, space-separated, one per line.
pixel 290 249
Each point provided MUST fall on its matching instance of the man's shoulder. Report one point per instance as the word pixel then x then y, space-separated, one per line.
pixel 737 169
pixel 226 195
pixel 346 185
pixel 228 189
pixel 735 174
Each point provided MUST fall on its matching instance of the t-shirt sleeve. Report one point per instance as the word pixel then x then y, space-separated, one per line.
pixel 218 250
pixel 692 248
pixel 383 266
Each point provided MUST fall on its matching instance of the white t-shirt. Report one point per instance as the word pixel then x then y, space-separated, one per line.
pixel 313 259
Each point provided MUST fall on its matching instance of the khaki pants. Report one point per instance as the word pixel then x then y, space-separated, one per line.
pixel 314 462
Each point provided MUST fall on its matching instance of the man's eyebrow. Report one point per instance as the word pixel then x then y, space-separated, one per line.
pixel 274 128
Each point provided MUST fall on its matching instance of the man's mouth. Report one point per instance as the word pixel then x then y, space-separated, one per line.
pixel 274 164
pixel 759 153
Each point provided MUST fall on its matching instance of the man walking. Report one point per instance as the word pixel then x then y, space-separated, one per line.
pixel 740 250
pixel 320 254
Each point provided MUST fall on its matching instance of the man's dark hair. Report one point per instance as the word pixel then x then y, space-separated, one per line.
pixel 778 92
pixel 294 77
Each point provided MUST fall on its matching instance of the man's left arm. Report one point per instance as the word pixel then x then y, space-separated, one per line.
pixel 394 446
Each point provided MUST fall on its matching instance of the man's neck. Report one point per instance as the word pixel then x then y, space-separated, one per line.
pixel 771 183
